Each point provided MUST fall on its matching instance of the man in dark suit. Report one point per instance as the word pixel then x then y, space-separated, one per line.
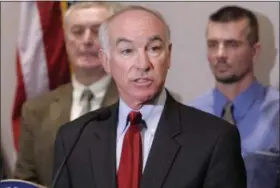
pixel 147 139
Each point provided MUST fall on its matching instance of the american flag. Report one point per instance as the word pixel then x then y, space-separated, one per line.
pixel 41 60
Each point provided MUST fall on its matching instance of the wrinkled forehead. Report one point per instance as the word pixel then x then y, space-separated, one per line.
pixel 89 15
pixel 137 26
pixel 228 30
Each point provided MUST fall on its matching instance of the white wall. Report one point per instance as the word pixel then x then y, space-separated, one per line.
pixel 189 75
pixel 9 27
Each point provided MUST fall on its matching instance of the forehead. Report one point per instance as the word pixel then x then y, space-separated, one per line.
pixel 136 25
pixel 91 15
pixel 230 30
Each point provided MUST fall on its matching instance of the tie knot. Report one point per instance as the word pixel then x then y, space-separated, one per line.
pixel 135 117
pixel 228 113
pixel 228 107
pixel 87 95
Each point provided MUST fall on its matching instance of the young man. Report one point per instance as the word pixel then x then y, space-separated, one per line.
pixel 233 48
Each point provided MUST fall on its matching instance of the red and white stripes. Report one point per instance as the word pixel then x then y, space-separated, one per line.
pixel 31 51
pixel 41 56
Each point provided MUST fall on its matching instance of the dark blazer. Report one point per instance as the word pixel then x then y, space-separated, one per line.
pixel 191 149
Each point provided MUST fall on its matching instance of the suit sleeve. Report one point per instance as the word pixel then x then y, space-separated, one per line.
pixel 63 180
pixel 25 165
pixel 227 169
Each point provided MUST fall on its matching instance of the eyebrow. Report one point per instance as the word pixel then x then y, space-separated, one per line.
pixel 155 38
pixel 225 40
pixel 96 25
pixel 121 39
pixel 150 39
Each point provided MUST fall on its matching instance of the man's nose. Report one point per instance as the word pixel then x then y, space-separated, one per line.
pixel 221 52
pixel 88 38
pixel 143 61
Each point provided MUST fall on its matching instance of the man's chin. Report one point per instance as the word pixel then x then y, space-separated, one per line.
pixel 88 65
pixel 227 80
pixel 145 96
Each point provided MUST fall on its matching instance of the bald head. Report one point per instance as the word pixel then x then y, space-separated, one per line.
pixel 128 17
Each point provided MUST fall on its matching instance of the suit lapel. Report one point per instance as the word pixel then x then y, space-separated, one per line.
pixel 103 150
pixel 164 147
pixel 61 106
pixel 111 95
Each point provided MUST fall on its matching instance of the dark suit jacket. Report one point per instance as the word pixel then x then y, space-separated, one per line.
pixel 191 149
pixel 41 119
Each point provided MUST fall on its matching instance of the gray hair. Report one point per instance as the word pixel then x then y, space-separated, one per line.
pixel 112 7
pixel 103 34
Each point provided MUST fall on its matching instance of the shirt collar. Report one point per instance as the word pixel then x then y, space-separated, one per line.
pixel 245 100
pixel 148 111
pixel 219 102
pixel 97 88
pixel 242 102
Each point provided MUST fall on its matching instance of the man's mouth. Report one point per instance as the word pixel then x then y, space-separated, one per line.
pixel 89 54
pixel 143 81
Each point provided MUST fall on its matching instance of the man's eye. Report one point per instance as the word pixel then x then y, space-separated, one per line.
pixel 94 31
pixel 126 51
pixel 155 48
pixel 232 44
pixel 77 32
pixel 212 45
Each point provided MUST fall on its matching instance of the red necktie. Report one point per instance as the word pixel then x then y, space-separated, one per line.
pixel 130 168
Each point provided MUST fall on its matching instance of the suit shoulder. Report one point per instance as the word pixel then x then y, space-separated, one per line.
pixel 45 99
pixel 204 121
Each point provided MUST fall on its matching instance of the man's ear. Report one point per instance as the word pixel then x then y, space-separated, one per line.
pixel 104 58
pixel 256 51
pixel 169 54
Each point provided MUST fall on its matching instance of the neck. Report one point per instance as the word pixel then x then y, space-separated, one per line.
pixel 89 76
pixel 138 104
pixel 231 91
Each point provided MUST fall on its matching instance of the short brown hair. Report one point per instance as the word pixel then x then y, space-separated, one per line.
pixel 234 13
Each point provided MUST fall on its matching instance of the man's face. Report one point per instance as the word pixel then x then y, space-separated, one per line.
pixel 139 55
pixel 81 36
pixel 229 52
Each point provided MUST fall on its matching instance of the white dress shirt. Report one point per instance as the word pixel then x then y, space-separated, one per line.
pixel 151 114
pixel 98 89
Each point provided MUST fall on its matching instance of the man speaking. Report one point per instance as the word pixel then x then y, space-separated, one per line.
pixel 147 139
